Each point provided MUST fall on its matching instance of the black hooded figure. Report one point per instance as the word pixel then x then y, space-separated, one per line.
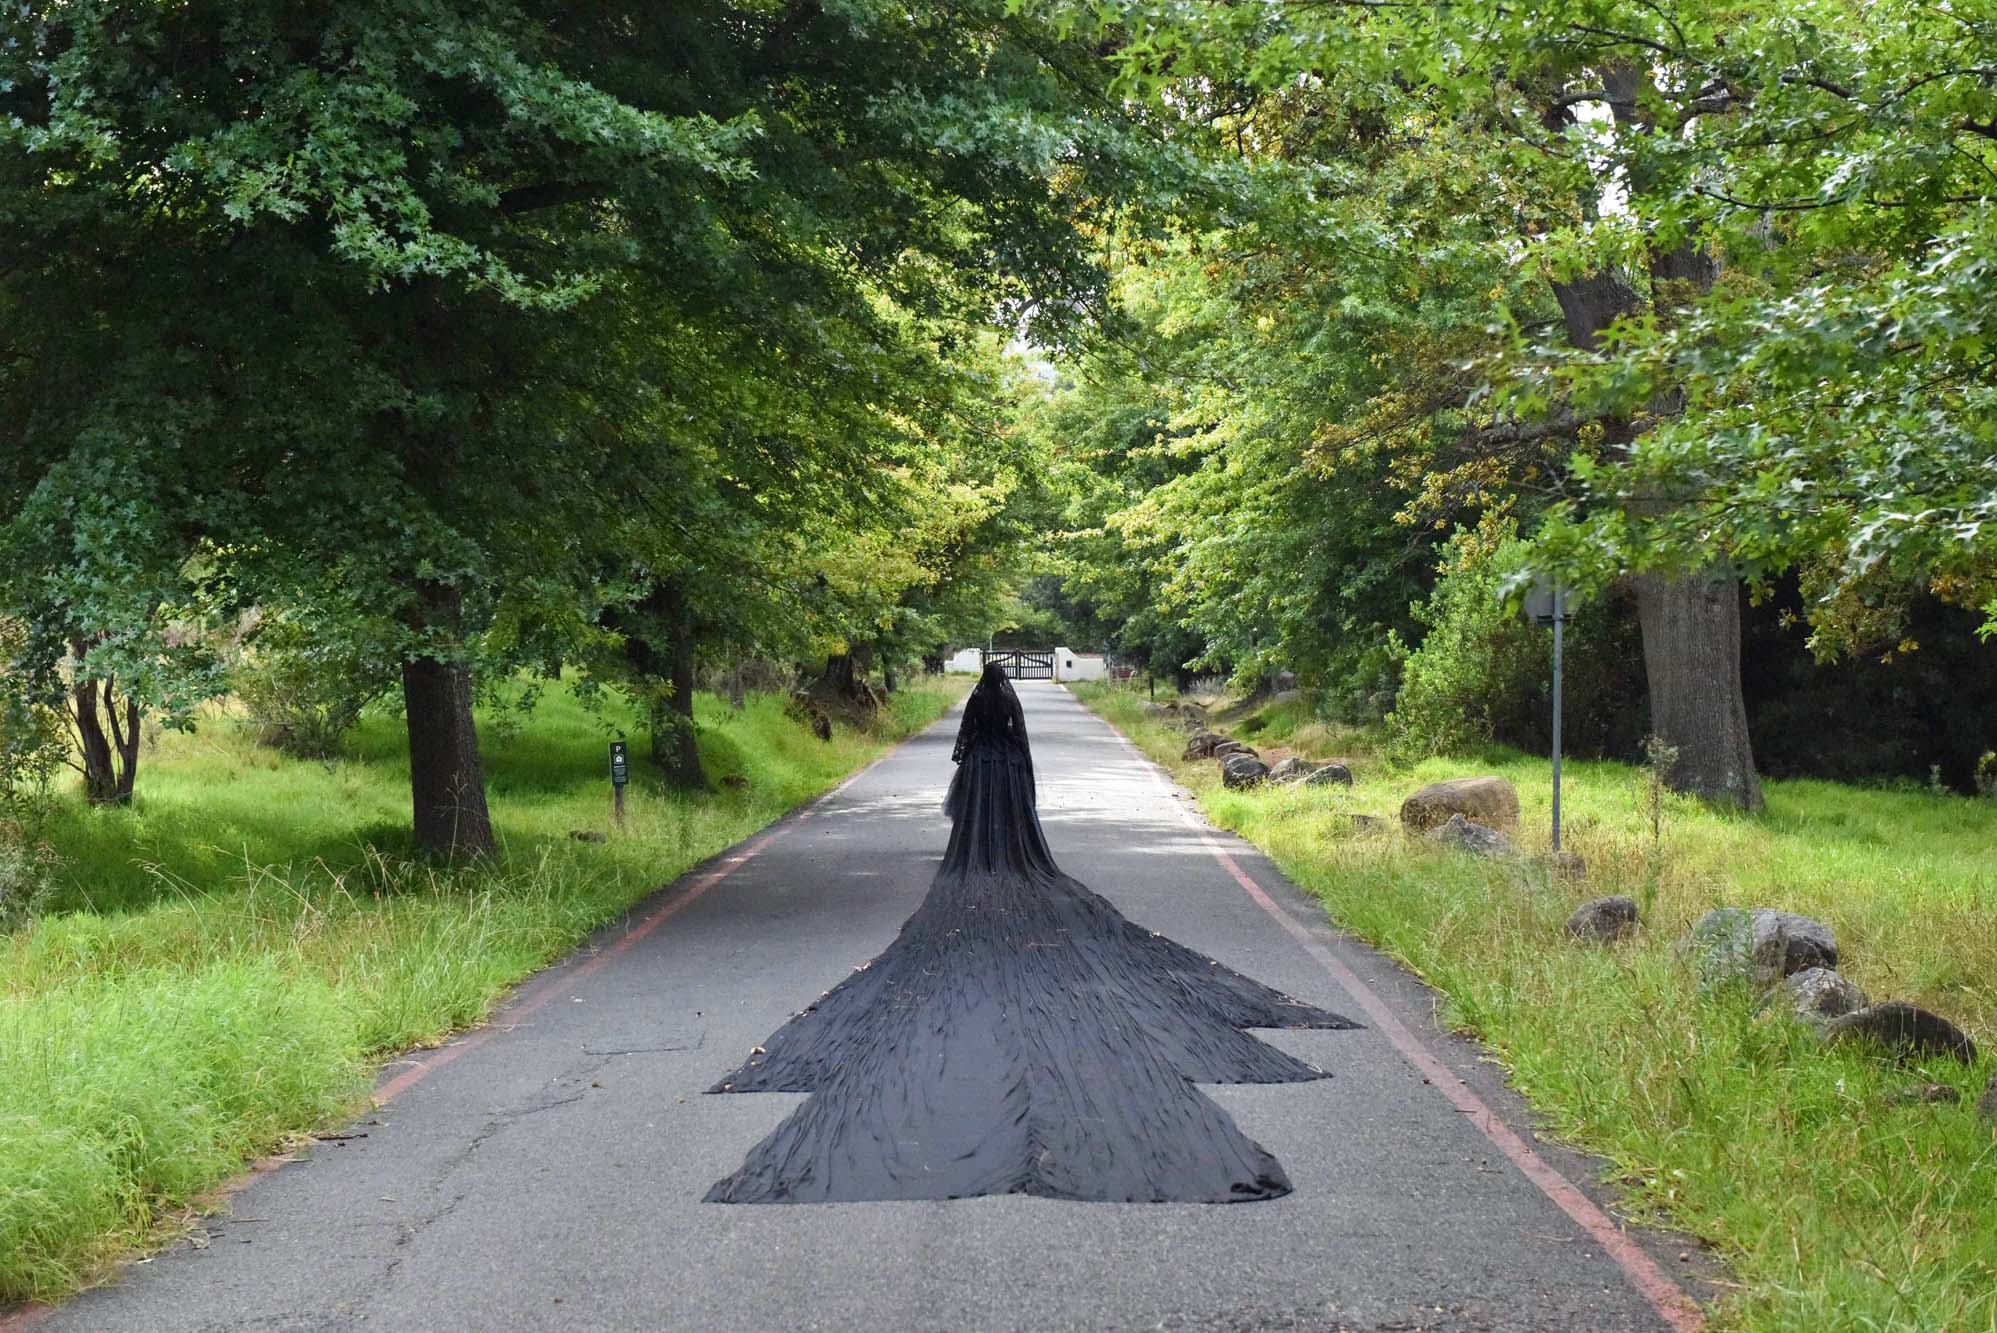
pixel 1019 1036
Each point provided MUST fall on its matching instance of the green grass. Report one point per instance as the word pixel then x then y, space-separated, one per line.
pixel 1831 1207
pixel 221 967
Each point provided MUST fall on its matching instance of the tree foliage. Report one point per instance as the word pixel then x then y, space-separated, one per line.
pixel 458 327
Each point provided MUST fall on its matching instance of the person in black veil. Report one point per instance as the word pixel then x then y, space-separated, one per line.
pixel 1020 1036
pixel 992 803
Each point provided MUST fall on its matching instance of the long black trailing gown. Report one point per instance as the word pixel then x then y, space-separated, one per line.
pixel 1019 1035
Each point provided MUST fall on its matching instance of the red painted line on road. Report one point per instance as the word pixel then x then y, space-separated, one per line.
pixel 1665 1296
pixel 539 996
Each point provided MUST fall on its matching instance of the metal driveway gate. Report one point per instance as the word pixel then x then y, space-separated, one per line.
pixel 1023 663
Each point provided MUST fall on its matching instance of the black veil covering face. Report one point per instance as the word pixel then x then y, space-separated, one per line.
pixel 1019 1036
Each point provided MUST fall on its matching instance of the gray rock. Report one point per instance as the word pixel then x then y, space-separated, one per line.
pixel 588 835
pixel 1492 802
pixel 1460 832
pixel 1604 919
pixel 1325 775
pixel 1227 749
pixel 1243 770
pixel 1289 770
pixel 1757 945
pixel 1923 1093
pixel 1905 1029
pixel 1286 696
pixel 1987 1103
pixel 1201 743
pixel 1818 992
pixel 1369 825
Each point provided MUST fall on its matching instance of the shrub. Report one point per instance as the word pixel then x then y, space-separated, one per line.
pixel 1360 681
pixel 1483 675
pixel 34 743
pixel 26 865
pixel 302 692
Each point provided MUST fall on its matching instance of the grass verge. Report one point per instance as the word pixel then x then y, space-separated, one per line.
pixel 1832 1206
pixel 221 967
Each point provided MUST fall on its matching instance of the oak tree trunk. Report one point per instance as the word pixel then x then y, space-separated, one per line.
pixel 674 744
pixel 1691 659
pixel 1690 623
pixel 683 763
pixel 837 678
pixel 840 689
pixel 446 778
pixel 107 739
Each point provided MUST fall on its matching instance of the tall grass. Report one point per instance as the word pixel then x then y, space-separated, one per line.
pixel 1833 1206
pixel 227 960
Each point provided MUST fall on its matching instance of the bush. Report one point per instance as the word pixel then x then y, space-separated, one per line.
pixel 302 693
pixel 34 742
pixel 27 874
pixel 1483 675
pixel 1360 680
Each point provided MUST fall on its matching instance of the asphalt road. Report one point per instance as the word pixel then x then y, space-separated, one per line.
pixel 547 1171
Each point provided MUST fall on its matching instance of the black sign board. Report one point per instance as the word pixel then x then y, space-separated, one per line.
pixel 620 767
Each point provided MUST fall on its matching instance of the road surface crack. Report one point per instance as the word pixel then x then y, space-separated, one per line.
pixel 407 1232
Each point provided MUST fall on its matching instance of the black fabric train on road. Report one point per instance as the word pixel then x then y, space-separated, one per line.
pixel 1019 1036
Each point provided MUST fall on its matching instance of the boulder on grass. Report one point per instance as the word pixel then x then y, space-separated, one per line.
pixel 1369 825
pixel 1492 802
pixel 1289 770
pixel 1243 770
pixel 1757 945
pixel 1461 833
pixel 1905 1029
pixel 1819 993
pixel 1229 748
pixel 1986 1105
pixel 1200 745
pixel 1923 1093
pixel 1604 919
pixel 1329 775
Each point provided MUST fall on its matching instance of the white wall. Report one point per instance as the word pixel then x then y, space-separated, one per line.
pixel 1071 665
pixel 966 659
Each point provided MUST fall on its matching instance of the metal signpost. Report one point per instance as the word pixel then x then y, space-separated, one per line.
pixel 1547 605
pixel 620 773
